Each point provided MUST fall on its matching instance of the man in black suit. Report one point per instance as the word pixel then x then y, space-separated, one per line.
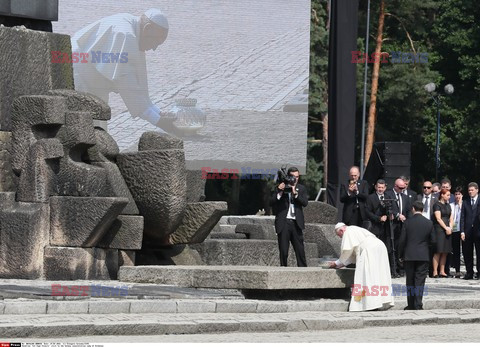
pixel 289 221
pixel 428 199
pixel 353 195
pixel 412 195
pixel 470 230
pixel 414 248
pixel 401 210
pixel 376 210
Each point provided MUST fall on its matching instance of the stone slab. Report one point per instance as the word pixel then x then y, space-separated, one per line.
pixel 257 231
pixel 320 212
pixel 169 255
pixel 247 252
pixel 227 236
pixel 198 221
pixel 126 258
pixel 125 233
pixel 156 180
pixel 7 178
pixel 234 220
pixel 82 221
pixel 26 68
pixel 23 236
pixel 74 263
pixel 239 277
pixel 324 236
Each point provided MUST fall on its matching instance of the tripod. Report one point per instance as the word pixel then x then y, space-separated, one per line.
pixel 388 205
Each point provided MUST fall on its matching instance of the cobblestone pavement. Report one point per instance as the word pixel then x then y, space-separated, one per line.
pixel 230 55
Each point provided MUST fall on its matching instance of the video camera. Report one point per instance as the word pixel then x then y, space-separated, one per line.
pixel 284 177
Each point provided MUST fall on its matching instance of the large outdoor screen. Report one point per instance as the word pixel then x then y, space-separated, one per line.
pixel 230 78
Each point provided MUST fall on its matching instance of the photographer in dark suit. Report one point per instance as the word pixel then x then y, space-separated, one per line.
pixel 376 210
pixel 414 249
pixel 288 202
pixel 353 196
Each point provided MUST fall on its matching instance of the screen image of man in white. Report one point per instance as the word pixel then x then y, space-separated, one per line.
pixel 372 288
pixel 116 61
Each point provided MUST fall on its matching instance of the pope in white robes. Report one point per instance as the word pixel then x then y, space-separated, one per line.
pixel 372 287
pixel 116 60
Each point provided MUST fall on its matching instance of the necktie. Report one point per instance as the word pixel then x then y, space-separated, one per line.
pixel 457 216
pixel 473 202
pixel 399 203
pixel 426 206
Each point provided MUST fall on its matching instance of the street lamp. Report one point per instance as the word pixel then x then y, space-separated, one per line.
pixel 448 89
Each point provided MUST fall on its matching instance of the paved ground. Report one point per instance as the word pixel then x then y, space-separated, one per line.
pixel 420 333
pixel 231 55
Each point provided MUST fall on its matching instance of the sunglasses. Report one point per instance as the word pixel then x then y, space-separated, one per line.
pixel 427 187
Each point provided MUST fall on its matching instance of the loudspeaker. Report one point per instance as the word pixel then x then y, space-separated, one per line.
pixel 388 161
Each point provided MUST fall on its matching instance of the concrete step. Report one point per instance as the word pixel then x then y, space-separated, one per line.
pixel 80 306
pixel 228 235
pixel 51 326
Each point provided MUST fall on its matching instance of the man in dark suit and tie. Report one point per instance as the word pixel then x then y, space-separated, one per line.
pixel 414 248
pixel 401 210
pixel 470 230
pixel 376 210
pixel 428 199
pixel 412 195
pixel 289 221
pixel 353 195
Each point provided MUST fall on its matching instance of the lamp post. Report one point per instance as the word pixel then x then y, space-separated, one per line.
pixel 448 89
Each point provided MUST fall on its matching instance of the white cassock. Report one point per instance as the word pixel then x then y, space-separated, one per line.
pixel 372 285
pixel 115 34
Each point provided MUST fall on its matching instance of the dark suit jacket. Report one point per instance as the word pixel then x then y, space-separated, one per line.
pixel 415 241
pixel 349 201
pixel 374 210
pixel 432 200
pixel 280 208
pixel 412 195
pixel 406 207
pixel 470 218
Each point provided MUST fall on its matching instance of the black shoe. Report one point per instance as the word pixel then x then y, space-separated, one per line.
pixel 468 277
pixel 435 276
pixel 408 308
pixel 457 274
pixel 476 277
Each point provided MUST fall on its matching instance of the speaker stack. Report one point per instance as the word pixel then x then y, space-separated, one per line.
pixel 388 161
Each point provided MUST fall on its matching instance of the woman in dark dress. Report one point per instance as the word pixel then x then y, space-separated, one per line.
pixel 443 222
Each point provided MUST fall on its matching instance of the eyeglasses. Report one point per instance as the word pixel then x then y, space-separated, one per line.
pixel 424 187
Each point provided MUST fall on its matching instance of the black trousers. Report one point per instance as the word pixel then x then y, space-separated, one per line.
pixel 416 273
pixel 470 242
pixel 292 233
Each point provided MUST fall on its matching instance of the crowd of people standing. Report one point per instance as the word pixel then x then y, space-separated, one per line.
pixel 385 212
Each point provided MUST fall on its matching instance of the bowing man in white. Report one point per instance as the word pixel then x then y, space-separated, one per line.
pixel 372 287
